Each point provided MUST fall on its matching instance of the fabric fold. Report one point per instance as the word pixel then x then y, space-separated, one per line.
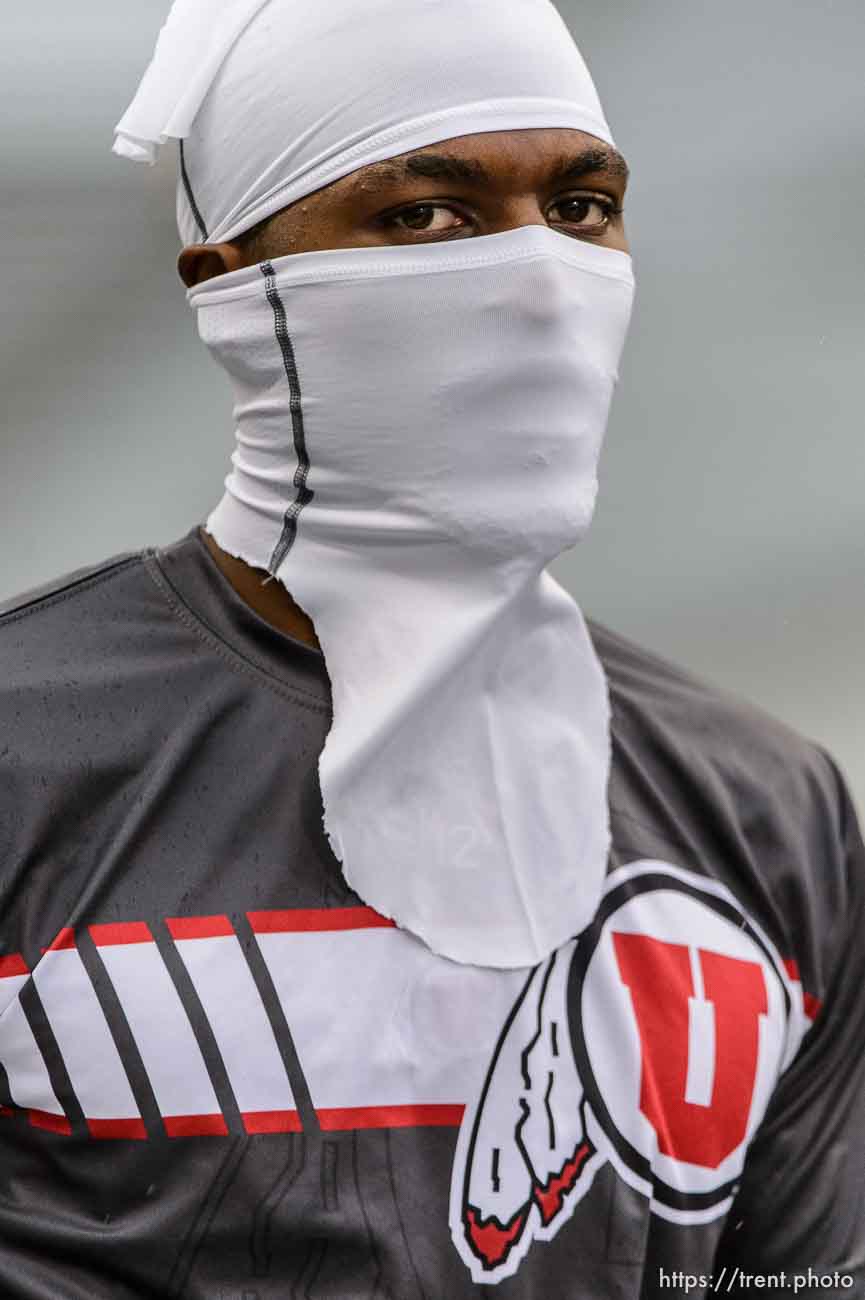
pixel 192 46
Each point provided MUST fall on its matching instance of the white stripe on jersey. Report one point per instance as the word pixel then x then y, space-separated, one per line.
pixel 223 981
pixel 26 1073
pixel 388 1034
pixel 91 1058
pixel 161 1029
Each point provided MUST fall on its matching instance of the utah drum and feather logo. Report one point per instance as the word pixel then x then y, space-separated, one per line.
pixel 652 1041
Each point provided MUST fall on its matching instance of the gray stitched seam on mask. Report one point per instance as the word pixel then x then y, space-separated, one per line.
pixel 196 211
pixel 304 495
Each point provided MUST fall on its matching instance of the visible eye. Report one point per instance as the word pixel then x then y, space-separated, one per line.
pixel 591 213
pixel 426 217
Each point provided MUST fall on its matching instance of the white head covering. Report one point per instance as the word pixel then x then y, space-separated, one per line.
pixel 424 465
pixel 273 99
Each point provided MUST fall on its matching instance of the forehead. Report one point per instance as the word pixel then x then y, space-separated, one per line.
pixel 484 157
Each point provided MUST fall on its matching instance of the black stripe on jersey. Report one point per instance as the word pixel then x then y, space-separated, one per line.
pixel 278 1023
pixel 31 1005
pixel 112 1009
pixel 201 1028
pixel 6 1102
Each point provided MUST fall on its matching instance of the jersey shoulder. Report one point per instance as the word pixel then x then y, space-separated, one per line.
pixel 707 780
pixel 61 629
pixel 720 774
pixel 65 587
pixel 676 708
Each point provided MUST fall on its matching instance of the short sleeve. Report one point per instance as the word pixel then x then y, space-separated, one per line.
pixel 800 1210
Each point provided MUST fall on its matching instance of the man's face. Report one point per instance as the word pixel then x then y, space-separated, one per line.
pixel 455 189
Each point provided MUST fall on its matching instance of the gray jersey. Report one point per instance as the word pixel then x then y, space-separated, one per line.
pixel 224 1077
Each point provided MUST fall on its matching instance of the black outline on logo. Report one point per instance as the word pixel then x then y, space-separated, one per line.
pixel 649 882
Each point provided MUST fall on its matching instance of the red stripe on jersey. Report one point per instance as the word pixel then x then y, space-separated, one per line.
pixel 51 1123
pixel 105 936
pixel 13 964
pixel 180 1126
pixel 318 918
pixel 792 968
pixel 419 1116
pixel 65 939
pixel 811 1005
pixel 199 927
pixel 271 1121
pixel 117 1128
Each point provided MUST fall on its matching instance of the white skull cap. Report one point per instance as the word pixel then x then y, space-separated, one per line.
pixel 273 99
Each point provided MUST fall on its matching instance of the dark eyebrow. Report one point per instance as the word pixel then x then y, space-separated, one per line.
pixel 604 161
pixel 598 160
pixel 435 166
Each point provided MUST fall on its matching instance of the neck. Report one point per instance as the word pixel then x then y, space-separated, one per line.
pixel 264 594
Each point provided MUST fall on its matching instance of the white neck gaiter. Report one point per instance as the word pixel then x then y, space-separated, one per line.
pixel 418 432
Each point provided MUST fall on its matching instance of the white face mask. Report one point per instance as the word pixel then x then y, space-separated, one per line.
pixel 418 436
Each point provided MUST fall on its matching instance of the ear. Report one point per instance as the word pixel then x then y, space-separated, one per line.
pixel 202 262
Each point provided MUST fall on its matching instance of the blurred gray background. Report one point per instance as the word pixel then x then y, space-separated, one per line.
pixel 729 532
